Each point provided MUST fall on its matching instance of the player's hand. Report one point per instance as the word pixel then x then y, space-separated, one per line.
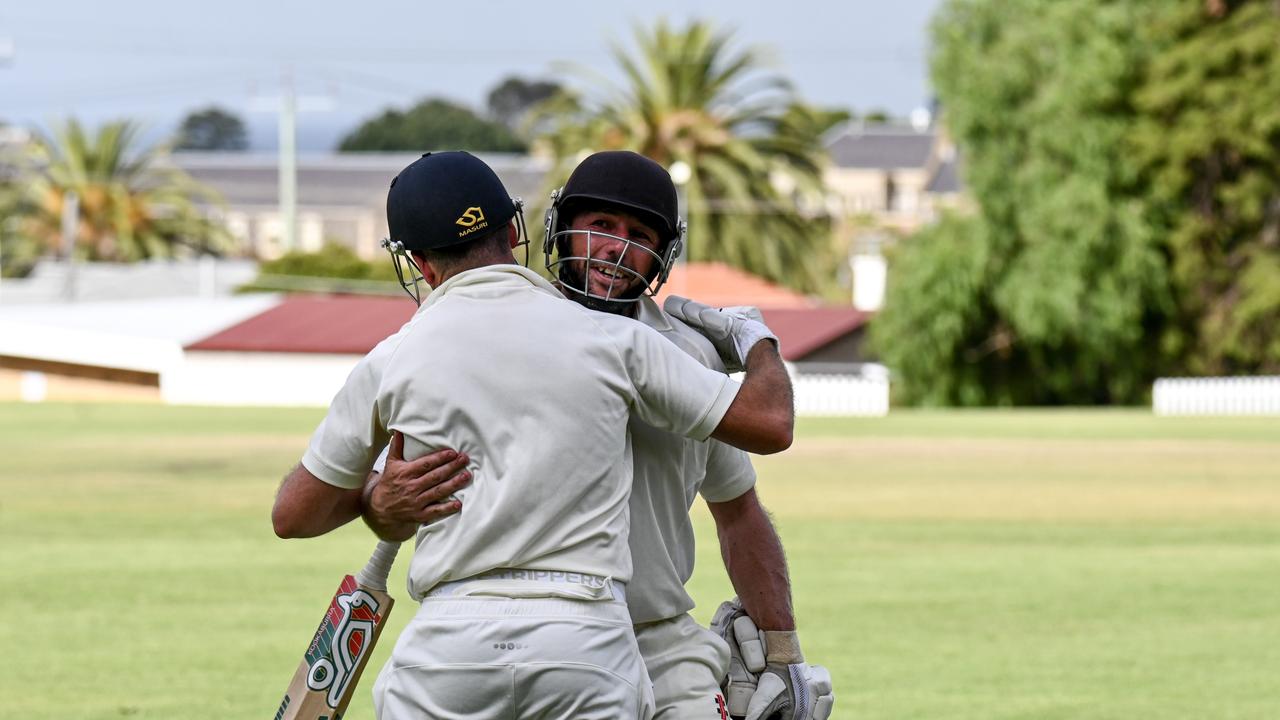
pixel 732 330
pixel 409 493
pixel 765 683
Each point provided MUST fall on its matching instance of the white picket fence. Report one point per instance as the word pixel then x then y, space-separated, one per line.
pixel 841 395
pixel 1217 396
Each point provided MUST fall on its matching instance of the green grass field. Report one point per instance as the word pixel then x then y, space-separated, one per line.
pixel 1035 564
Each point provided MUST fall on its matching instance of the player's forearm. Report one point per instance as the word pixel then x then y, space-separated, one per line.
pixel 755 561
pixel 762 417
pixel 307 506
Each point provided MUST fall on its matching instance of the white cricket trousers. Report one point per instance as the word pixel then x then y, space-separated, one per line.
pixel 505 658
pixel 687 663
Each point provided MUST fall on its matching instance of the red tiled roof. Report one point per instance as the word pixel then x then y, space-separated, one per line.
pixel 353 325
pixel 340 324
pixel 802 331
pixel 720 285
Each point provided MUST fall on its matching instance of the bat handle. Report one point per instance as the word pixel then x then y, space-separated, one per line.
pixel 374 573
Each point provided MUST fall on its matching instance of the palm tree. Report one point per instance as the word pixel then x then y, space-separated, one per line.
pixel 132 204
pixel 755 197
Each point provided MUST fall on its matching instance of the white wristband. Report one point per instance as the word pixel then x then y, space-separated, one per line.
pixel 751 333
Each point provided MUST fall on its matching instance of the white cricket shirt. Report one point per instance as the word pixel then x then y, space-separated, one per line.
pixel 538 391
pixel 670 471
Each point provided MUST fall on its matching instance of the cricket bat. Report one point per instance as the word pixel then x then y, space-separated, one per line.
pixel 326 679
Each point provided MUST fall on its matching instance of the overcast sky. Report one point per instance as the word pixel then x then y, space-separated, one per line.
pixel 154 61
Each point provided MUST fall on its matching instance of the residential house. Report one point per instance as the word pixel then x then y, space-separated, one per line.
pixel 341 197
pixel 886 180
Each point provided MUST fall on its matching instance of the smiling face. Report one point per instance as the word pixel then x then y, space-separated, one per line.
pixel 614 242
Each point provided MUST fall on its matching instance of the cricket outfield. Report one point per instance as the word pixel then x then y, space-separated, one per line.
pixel 1030 564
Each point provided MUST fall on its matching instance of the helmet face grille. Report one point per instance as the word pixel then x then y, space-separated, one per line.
pixel 572 270
pixel 403 262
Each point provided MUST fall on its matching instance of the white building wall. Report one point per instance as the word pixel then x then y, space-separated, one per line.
pixel 264 379
pixel 869 274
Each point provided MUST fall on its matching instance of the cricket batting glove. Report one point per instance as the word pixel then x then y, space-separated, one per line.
pixel 732 330
pixel 768 677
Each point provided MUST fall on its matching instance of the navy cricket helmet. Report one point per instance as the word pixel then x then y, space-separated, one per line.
pixel 617 180
pixel 440 200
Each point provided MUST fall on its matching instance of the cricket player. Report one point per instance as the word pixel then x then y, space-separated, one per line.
pixel 612 236
pixel 523 590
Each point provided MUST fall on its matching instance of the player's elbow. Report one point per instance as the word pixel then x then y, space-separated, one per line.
pixel 777 437
pixel 768 438
pixel 759 431
pixel 286 524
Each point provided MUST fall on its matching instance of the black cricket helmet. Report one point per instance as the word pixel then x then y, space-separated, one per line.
pixel 440 200
pixel 617 180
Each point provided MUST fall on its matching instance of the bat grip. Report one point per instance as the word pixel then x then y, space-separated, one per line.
pixel 374 573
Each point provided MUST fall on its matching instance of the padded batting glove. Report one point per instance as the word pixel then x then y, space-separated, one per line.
pixel 732 330
pixel 768 677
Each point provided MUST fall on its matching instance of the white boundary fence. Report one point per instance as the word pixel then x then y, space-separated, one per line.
pixel 1217 396
pixel 841 395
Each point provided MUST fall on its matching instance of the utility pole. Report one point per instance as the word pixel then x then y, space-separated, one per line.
pixel 287 106
pixel 70 227
pixel 288 164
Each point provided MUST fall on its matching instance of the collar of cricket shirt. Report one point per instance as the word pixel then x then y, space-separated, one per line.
pixel 513 276
pixel 650 314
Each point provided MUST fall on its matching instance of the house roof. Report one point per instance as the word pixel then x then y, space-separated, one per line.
pixel 335 179
pixel 803 331
pixel 720 285
pixel 353 325
pixel 946 179
pixel 882 147
pixel 338 324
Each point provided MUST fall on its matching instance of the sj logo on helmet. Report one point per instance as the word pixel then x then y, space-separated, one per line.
pixel 471 221
pixel 472 216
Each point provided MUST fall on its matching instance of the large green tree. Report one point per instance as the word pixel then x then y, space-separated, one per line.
pixel 432 124
pixel 1208 145
pixel 1052 291
pixel 132 204
pixel 1125 160
pixel 755 198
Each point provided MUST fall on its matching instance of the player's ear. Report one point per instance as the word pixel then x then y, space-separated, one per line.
pixel 429 273
pixel 513 235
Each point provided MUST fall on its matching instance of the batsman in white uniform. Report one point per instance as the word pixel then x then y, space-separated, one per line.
pixel 612 234
pixel 523 590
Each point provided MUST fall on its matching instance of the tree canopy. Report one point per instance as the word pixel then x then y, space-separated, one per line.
pixel 212 129
pixel 511 100
pixel 131 203
pixel 1123 158
pixel 1207 144
pixel 432 124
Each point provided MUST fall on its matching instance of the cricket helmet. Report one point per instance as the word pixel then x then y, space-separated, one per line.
pixel 444 199
pixel 614 180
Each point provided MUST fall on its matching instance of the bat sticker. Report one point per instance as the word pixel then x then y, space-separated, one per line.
pixel 342 640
